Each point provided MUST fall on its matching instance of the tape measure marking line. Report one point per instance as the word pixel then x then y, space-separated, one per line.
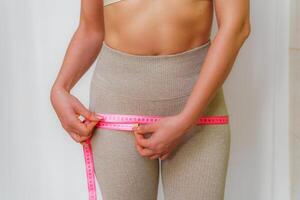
pixel 125 119
pixel 89 163
pixel 126 122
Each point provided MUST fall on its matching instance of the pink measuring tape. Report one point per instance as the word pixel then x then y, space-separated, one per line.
pixel 126 123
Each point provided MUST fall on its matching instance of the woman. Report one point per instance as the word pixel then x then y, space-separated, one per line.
pixel 155 58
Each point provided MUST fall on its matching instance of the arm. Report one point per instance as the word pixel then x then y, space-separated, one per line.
pixel 84 46
pixel 81 53
pixel 233 30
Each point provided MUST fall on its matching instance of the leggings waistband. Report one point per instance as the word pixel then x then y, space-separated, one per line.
pixel 150 77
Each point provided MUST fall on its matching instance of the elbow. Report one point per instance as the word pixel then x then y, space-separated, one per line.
pixel 245 30
pixel 239 31
pixel 95 33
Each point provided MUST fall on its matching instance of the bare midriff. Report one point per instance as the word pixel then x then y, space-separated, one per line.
pixel 156 27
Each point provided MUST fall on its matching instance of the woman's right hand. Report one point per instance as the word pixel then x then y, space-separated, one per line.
pixel 68 109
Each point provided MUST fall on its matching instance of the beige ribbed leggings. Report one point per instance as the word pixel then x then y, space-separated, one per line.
pixel 124 83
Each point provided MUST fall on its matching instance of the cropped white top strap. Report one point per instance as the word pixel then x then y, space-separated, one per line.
pixel 106 2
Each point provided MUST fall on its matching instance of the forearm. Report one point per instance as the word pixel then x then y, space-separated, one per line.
pixel 215 69
pixel 80 55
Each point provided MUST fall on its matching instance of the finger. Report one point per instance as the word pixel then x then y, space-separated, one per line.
pixel 77 138
pixel 84 144
pixel 164 156
pixel 74 136
pixel 83 138
pixel 144 142
pixel 144 151
pixel 145 128
pixel 134 126
pixel 78 127
pixel 82 110
pixel 141 149
pixel 91 125
pixel 154 156
pixel 135 131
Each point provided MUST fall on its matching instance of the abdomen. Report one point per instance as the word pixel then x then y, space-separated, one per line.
pixel 157 27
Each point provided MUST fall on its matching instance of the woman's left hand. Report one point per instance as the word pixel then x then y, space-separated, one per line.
pixel 166 134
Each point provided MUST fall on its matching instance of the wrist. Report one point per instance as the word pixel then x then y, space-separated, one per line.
pixel 185 120
pixel 57 89
pixel 60 87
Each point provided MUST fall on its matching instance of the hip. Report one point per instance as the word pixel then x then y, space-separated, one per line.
pixel 126 83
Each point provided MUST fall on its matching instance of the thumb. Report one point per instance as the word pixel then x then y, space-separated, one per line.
pixel 145 128
pixel 91 116
pixel 91 125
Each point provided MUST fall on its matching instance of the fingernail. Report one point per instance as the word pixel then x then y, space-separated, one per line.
pixel 99 117
pixel 86 121
pixel 135 126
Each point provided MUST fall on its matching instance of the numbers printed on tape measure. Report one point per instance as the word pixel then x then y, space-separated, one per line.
pixel 125 123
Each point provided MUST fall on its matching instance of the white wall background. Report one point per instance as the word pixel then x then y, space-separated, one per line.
pixel 38 159
pixel 295 98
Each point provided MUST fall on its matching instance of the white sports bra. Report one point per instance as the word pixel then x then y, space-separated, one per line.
pixel 106 2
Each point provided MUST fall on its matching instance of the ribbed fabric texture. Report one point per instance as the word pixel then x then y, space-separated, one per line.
pixel 124 83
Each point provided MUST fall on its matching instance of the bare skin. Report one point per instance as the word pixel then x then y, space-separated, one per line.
pixel 151 27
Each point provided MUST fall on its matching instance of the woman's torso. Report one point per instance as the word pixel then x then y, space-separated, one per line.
pixel 156 27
